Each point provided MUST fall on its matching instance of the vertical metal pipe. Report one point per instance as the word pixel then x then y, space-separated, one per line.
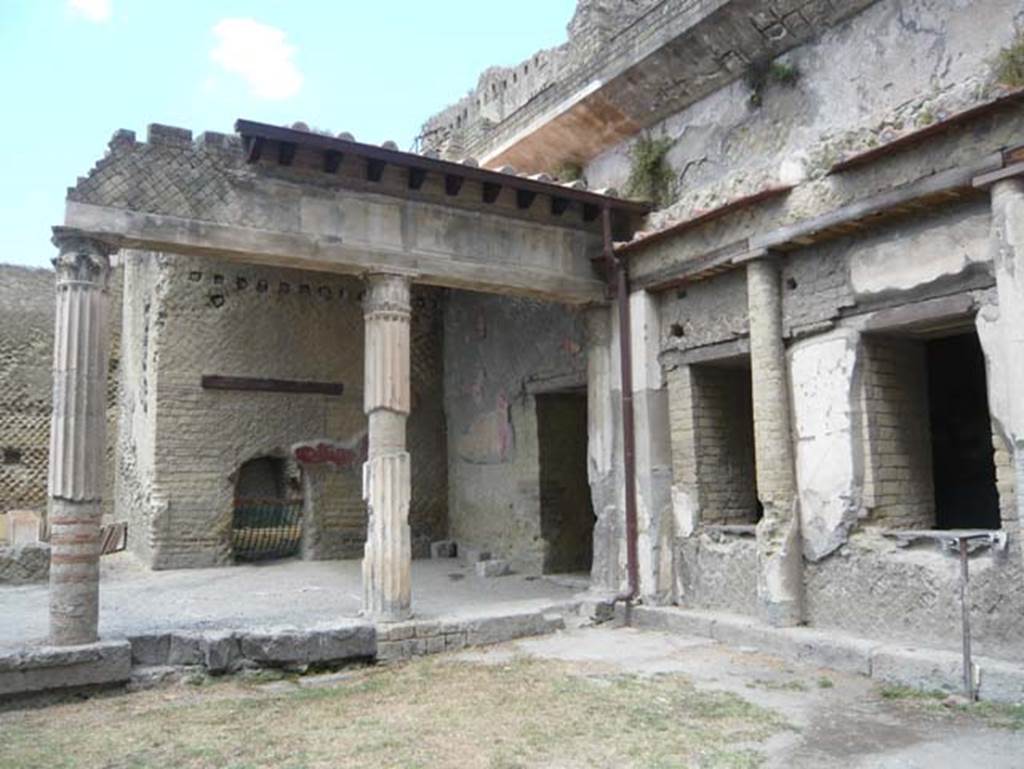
pixel 965 611
pixel 617 272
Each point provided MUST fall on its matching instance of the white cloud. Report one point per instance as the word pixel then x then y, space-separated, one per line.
pixel 93 10
pixel 260 54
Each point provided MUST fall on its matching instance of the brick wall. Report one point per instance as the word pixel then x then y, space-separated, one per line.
pixel 712 435
pixel 181 445
pixel 898 463
pixel 26 392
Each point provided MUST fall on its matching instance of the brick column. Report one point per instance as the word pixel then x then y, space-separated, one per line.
pixel 77 435
pixel 779 578
pixel 387 479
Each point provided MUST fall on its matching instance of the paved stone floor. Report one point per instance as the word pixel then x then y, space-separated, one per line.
pixel 834 719
pixel 134 600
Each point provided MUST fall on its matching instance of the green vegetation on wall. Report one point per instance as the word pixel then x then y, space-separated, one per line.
pixel 651 178
pixel 568 172
pixel 1009 64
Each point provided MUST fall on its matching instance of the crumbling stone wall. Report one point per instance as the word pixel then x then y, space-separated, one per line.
pixel 927 60
pixel 26 392
pixel 499 351
pixel 181 445
pixel 26 361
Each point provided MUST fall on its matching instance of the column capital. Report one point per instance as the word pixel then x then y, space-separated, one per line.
pixel 387 294
pixel 81 258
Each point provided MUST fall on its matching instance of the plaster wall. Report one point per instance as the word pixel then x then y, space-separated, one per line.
pixel 498 352
pixel 895 66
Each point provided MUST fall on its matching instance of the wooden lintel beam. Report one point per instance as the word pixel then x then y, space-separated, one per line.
pixel 258 384
pixel 253 148
pixel 559 206
pixel 286 153
pixel 332 161
pixel 524 199
pixel 453 183
pixel 374 170
pixel 416 178
pixel 491 192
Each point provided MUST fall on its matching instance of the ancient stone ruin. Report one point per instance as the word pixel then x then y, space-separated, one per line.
pixel 719 303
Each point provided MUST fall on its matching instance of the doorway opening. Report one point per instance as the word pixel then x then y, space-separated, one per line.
pixel 963 468
pixel 931 460
pixel 566 508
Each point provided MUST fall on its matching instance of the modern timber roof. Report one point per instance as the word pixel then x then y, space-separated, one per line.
pixel 279 145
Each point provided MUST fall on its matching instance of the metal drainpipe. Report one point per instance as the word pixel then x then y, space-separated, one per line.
pixel 618 272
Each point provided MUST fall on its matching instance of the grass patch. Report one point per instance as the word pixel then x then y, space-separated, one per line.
pixel 779 686
pixel 1009 63
pixel 427 713
pixel 896 692
pixel 825 683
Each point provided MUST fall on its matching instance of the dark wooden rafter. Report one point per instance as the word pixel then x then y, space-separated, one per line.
pixel 416 178
pixel 286 153
pixel 374 169
pixel 453 183
pixel 491 190
pixel 332 161
pixel 259 384
pixel 257 135
pixel 559 206
pixel 524 199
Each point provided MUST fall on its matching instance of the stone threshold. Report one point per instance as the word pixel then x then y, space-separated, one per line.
pixel 37 669
pixel 919 668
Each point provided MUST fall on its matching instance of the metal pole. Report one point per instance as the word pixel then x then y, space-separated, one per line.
pixel 965 621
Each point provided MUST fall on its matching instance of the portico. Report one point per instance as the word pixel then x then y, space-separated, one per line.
pixel 276 197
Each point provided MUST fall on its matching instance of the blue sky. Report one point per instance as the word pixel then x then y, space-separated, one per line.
pixel 74 71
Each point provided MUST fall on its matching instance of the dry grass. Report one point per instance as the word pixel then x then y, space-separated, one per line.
pixel 429 713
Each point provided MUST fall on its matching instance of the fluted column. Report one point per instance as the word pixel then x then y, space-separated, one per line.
pixel 77 435
pixel 779 557
pixel 387 477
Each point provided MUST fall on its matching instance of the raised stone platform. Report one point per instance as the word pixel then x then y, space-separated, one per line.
pixel 43 668
pixel 919 668
pixel 289 614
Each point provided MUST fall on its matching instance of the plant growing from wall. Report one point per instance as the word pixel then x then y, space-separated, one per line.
pixel 763 72
pixel 651 177
pixel 1009 63
pixel 568 172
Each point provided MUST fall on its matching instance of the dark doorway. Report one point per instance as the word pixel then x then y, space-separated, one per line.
pixel 566 509
pixel 963 468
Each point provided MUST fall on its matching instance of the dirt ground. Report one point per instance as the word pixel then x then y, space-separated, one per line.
pixel 591 697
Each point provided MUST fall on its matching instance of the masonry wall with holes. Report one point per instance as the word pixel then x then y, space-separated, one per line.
pixel 180 445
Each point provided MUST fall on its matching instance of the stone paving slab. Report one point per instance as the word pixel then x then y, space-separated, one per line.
pixel 919 668
pixel 45 668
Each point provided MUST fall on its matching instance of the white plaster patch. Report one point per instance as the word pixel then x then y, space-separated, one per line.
pixel 684 510
pixel 909 259
pixel 826 417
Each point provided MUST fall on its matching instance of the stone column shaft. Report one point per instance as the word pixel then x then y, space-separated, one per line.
pixel 1007 248
pixel 779 578
pixel 77 436
pixel 387 475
